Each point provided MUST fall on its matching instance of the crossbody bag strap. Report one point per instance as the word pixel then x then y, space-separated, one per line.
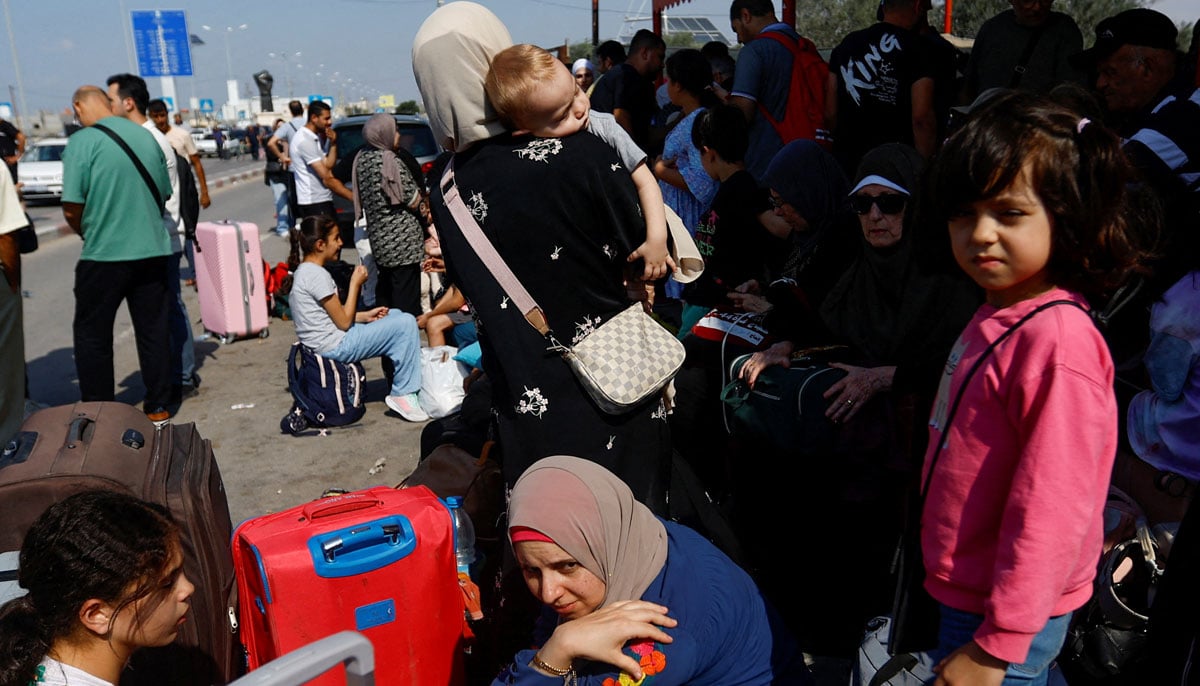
pixel 1019 68
pixel 967 379
pixel 158 199
pixel 483 247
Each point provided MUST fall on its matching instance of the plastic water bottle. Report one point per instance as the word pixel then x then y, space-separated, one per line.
pixel 464 534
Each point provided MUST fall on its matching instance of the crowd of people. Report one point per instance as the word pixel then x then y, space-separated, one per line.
pixel 995 256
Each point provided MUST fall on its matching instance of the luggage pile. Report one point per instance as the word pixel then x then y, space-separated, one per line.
pixel 297 593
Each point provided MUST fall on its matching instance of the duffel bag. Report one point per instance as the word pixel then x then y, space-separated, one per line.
pixel 785 408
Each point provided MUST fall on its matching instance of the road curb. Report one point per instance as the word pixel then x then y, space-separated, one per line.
pixel 63 229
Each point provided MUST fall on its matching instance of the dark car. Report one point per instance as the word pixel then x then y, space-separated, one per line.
pixel 415 136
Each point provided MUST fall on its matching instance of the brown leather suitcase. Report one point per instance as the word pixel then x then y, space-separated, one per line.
pixel 73 448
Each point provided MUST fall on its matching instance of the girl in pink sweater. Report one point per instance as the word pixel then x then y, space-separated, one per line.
pixel 1024 430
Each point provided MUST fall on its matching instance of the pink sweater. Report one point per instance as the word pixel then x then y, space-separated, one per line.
pixel 1013 519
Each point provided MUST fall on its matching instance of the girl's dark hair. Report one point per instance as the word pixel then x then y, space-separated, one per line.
pixel 1079 173
pixel 96 544
pixel 693 73
pixel 304 238
pixel 722 128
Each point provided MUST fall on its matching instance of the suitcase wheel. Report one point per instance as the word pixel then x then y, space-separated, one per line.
pixel 264 333
pixel 225 339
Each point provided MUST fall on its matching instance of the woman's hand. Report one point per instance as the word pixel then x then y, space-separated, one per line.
pixel 779 354
pixel 656 260
pixel 752 287
pixel 371 315
pixel 971 665
pixel 359 277
pixel 853 391
pixel 601 635
pixel 748 302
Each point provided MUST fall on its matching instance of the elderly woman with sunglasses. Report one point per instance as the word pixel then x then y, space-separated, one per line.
pixel 898 318
pixel 897 315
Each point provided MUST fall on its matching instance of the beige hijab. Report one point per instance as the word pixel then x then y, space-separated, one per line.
pixel 451 54
pixel 591 514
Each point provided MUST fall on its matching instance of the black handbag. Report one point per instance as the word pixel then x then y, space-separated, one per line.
pixel 27 239
pixel 915 614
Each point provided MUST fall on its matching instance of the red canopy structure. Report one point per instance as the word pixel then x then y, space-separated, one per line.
pixel 789 12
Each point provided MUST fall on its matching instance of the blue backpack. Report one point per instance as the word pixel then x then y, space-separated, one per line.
pixel 327 392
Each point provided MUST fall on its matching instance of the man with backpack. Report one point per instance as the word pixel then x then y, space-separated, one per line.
pixel 778 84
pixel 279 144
pixel 880 87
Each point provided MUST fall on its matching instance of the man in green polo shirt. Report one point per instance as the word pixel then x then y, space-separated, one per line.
pixel 125 249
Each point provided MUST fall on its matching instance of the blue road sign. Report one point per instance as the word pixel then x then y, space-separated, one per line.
pixel 170 102
pixel 161 37
pixel 206 105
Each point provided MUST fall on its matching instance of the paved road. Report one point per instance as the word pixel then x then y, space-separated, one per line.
pixel 264 470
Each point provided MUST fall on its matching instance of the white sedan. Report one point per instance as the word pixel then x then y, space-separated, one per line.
pixel 205 145
pixel 41 170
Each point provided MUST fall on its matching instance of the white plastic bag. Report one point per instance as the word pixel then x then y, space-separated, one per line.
pixel 441 381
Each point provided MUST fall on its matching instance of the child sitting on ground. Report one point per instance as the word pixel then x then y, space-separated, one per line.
pixel 535 94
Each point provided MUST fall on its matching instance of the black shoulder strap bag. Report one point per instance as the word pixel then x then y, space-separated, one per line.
pixel 158 199
pixel 915 614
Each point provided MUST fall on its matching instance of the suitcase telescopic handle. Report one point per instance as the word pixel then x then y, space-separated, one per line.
pixel 79 424
pixel 301 665
pixel 329 507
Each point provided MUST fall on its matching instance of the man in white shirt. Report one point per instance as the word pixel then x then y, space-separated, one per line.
pixel 12 336
pixel 131 99
pixel 279 143
pixel 312 154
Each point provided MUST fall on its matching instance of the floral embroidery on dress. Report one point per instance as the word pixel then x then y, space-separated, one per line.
pixel 611 440
pixel 660 412
pixel 614 166
pixel 652 661
pixel 533 402
pixel 540 149
pixel 479 207
pixel 608 250
pixel 585 328
pixel 554 255
pixel 504 302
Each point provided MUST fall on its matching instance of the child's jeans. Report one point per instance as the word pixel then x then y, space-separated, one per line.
pixel 958 628
pixel 395 336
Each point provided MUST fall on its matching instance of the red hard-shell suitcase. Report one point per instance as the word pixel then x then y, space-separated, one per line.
pixel 64 450
pixel 230 280
pixel 378 561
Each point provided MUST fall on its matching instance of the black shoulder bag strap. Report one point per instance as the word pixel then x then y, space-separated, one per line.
pixel 967 379
pixel 158 199
pixel 1030 45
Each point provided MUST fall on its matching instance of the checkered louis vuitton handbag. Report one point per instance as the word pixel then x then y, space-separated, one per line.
pixel 626 360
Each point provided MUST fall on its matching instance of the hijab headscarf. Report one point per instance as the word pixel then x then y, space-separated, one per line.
pixel 582 63
pixel 810 180
pixel 451 55
pixel 380 133
pixel 877 304
pixel 592 515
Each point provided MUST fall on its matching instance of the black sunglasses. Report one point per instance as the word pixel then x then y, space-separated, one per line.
pixel 888 203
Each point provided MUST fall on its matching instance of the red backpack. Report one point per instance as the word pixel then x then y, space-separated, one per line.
pixel 804 115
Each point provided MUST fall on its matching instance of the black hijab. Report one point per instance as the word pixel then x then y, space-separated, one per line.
pixel 882 305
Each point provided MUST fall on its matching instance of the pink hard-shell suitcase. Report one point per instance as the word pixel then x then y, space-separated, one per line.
pixel 229 280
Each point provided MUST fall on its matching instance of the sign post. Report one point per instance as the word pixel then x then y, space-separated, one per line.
pixel 163 47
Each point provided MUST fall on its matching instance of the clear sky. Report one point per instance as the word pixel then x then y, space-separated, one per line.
pixel 355 48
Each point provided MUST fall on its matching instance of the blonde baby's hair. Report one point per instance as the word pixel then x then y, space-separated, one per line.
pixel 516 72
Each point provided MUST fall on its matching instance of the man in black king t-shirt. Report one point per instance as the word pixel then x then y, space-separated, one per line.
pixel 883 78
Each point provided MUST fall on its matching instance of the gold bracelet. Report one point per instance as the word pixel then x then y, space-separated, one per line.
pixel 537 663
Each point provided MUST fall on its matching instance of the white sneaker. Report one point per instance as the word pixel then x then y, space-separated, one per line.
pixel 407 406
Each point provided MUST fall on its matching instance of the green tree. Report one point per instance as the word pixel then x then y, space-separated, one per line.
pixel 827 23
pixel 408 107
pixel 684 39
pixel 580 49
pixel 969 16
